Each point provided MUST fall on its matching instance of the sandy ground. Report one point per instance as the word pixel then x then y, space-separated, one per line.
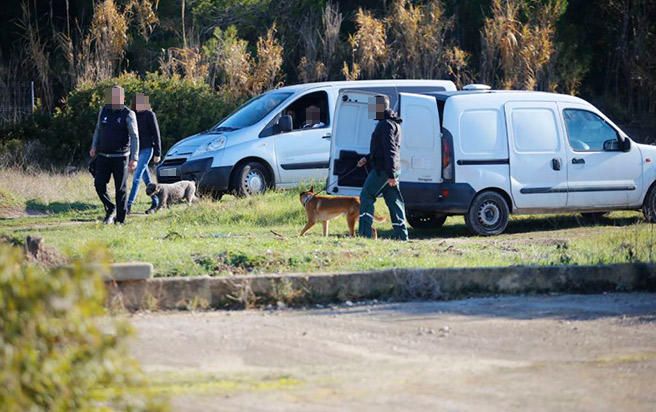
pixel 552 353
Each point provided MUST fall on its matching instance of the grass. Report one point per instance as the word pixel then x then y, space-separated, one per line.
pixel 260 235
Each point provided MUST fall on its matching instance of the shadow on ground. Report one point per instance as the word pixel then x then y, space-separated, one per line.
pixel 58 207
pixel 632 307
pixel 521 225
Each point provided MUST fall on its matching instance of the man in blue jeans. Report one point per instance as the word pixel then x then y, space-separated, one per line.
pixel 385 161
pixel 150 146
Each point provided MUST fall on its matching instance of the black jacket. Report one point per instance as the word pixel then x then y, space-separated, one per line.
pixel 149 132
pixel 385 147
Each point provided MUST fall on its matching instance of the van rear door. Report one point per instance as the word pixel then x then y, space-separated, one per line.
pixel 421 145
pixel 420 141
pixel 351 135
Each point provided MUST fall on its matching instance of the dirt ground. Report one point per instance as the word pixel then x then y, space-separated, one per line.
pixel 551 353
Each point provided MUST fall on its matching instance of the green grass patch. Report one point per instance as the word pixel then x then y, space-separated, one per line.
pixel 260 235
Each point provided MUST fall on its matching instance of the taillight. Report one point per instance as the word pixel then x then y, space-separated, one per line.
pixel 446 153
pixel 447 162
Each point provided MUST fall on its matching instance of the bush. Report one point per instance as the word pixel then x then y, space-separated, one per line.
pixel 56 352
pixel 183 107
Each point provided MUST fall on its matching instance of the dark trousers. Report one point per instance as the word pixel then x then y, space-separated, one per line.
pixel 106 167
pixel 374 185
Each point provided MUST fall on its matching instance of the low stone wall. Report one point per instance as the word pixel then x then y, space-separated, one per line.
pixel 192 293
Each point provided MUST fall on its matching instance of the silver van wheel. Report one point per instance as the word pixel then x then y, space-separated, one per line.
pixel 488 214
pixel 251 179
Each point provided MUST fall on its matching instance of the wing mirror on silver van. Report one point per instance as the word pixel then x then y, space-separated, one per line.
pixel 614 145
pixel 285 123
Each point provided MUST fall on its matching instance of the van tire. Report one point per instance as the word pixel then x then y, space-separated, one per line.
pixel 488 214
pixel 649 206
pixel 252 178
pixel 419 220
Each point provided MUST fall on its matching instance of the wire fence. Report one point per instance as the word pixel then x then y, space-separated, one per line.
pixel 16 101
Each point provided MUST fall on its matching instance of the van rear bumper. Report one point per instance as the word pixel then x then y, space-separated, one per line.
pixel 447 198
pixel 208 178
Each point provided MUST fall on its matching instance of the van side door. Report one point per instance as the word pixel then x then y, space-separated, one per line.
pixel 302 153
pixel 600 173
pixel 538 173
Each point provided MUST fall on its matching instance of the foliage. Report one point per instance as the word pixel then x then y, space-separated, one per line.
pixel 176 102
pixel 235 71
pixel 518 42
pixel 57 353
pixel 368 46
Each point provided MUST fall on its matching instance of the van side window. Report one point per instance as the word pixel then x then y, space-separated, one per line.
pixel 308 112
pixel 586 131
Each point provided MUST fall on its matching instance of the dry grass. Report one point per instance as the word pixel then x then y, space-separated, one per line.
pixel 518 43
pixel 368 47
pixel 44 192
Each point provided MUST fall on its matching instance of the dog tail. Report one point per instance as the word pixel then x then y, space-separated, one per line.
pixel 380 219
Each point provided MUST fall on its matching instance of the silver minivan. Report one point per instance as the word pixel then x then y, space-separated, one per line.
pixel 277 139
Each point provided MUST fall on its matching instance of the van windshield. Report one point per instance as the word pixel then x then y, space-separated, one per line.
pixel 252 111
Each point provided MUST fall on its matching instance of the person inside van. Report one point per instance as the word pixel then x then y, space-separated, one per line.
pixel 385 160
pixel 150 145
pixel 313 118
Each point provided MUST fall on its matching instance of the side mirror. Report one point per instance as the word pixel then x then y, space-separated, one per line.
pixel 626 145
pixel 612 145
pixel 285 123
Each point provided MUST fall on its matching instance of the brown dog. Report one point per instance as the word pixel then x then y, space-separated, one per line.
pixel 324 208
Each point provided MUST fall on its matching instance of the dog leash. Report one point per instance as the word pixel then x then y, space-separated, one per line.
pixel 366 169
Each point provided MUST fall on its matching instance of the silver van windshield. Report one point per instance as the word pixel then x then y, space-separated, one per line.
pixel 252 111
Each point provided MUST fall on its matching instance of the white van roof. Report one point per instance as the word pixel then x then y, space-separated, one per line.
pixel 446 84
pixel 508 95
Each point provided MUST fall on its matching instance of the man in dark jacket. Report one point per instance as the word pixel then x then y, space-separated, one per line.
pixel 115 146
pixel 385 161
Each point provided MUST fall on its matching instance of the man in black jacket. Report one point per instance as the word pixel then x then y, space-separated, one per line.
pixel 115 146
pixel 385 161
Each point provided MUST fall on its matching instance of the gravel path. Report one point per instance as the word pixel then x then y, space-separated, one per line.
pixel 552 353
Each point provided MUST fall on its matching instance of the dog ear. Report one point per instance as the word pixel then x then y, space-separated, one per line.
pixel 311 189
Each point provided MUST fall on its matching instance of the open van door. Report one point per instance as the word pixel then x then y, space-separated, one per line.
pixel 351 135
pixel 352 129
pixel 421 143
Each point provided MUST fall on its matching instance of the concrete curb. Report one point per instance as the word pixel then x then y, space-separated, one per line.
pixel 129 271
pixel 192 293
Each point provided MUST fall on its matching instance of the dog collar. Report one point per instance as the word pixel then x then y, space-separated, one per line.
pixel 307 200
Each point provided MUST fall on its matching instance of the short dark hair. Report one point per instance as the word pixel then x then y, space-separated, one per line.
pixel 383 99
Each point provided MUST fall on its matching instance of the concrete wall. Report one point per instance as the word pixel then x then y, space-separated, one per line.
pixel 191 293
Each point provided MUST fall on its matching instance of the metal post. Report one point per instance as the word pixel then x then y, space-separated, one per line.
pixel 32 92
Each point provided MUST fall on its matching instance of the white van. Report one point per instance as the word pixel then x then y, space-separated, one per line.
pixel 268 142
pixel 486 154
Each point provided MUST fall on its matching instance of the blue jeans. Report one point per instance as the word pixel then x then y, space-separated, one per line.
pixel 142 171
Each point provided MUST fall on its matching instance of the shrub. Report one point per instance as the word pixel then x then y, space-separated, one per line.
pixel 183 107
pixel 56 352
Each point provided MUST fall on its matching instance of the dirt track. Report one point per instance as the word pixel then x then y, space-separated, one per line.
pixel 514 353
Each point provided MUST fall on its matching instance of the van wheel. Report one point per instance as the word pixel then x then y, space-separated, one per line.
pixel 594 217
pixel 250 179
pixel 419 220
pixel 488 214
pixel 649 207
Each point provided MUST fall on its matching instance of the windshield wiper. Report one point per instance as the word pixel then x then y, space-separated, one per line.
pixel 225 129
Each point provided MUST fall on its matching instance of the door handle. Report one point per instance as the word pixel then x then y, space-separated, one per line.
pixel 578 161
pixel 328 136
pixel 555 164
